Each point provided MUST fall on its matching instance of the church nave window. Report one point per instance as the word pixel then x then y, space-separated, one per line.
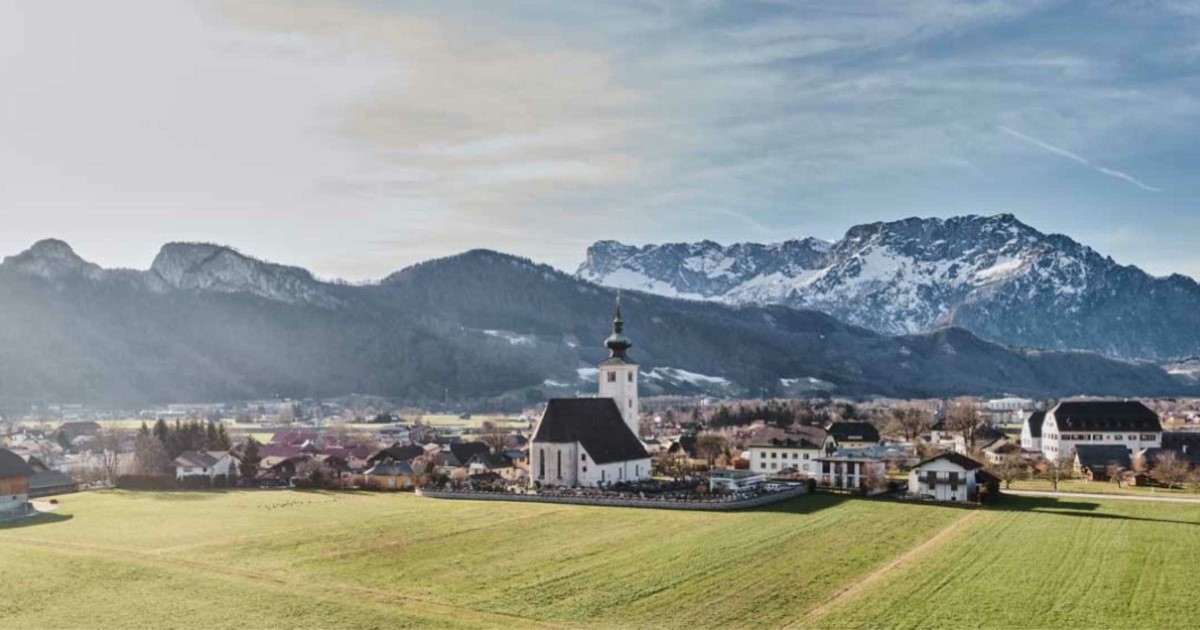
pixel 612 377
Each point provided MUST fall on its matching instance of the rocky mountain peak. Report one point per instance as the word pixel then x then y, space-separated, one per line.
pixel 52 259
pixel 210 267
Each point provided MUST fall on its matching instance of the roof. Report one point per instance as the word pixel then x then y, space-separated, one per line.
pixel 398 453
pixel 464 451
pixel 390 469
pixel 11 465
pixel 1101 456
pixel 492 460
pixel 1034 422
pixel 1151 456
pixel 788 441
pixel 854 432
pixel 967 463
pixel 1180 440
pixel 1105 415
pixel 595 423
pixel 201 459
pixel 50 479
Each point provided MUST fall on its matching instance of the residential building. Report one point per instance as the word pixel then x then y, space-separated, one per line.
pixel 14 484
pixel 950 476
pixel 853 435
pixel 1031 431
pixel 848 472
pixel 772 454
pixel 1096 462
pixel 1125 422
pixel 211 464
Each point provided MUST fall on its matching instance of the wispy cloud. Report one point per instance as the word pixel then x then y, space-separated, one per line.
pixel 1078 158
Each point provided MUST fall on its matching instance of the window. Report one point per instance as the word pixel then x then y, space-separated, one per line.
pixel 806 458
pixel 630 401
pixel 762 465
pixel 541 463
pixel 630 379
pixel 612 377
pixel 585 469
pixel 774 465
pixel 560 464
pixel 583 457
pixel 774 455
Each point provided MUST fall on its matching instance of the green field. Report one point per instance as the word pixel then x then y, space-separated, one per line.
pixel 308 559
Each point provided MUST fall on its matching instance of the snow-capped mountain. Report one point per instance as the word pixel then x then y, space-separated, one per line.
pixel 995 276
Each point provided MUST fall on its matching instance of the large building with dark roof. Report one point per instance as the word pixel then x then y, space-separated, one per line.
pixel 1127 423
pixel 14 482
pixel 1031 431
pixel 590 442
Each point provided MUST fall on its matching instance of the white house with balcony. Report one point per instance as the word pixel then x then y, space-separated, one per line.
pixel 950 476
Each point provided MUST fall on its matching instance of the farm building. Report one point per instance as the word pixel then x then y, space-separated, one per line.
pixel 1097 462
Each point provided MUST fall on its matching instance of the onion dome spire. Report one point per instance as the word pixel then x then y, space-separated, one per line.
pixel 617 343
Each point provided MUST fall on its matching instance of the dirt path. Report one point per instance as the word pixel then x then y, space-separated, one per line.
pixel 371 595
pixel 852 590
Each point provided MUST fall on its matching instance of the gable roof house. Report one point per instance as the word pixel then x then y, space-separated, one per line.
pixel 772 452
pixel 1072 423
pixel 1031 431
pixel 211 464
pixel 14 484
pixel 853 435
pixel 1093 461
pixel 951 476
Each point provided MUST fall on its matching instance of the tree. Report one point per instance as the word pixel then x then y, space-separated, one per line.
pixel 149 455
pixel 1115 473
pixel 875 480
pixel 1056 469
pixel 964 419
pixel 675 465
pixel 1169 470
pixel 710 446
pixel 912 421
pixel 495 436
pixel 108 457
pixel 1010 469
pixel 251 458
pixel 317 472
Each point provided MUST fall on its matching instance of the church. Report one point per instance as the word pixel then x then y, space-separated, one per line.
pixel 592 442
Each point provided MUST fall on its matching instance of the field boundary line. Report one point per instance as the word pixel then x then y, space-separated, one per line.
pixel 850 591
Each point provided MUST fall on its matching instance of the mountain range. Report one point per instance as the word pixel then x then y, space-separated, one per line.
pixel 994 276
pixel 206 322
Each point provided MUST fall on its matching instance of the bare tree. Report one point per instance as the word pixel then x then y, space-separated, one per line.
pixel 710 446
pixel 108 453
pixel 675 465
pixel 495 436
pixel 964 419
pixel 1169 470
pixel 1116 473
pixel 1056 469
pixel 1010 469
pixel 150 456
pixel 912 421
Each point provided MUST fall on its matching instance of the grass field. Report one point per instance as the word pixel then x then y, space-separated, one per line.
pixel 307 559
pixel 1104 487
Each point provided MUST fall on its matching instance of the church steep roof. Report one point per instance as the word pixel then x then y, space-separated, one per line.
pixel 595 423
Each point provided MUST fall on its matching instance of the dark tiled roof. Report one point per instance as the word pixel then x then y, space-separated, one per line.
pixel 397 453
pixel 1177 440
pixel 464 451
pixel 785 442
pixel 957 458
pixel 1105 415
pixel 1151 456
pixel 1101 456
pixel 1034 422
pixel 854 432
pixel 49 481
pixel 390 469
pixel 491 460
pixel 11 465
pixel 595 423
pixel 201 459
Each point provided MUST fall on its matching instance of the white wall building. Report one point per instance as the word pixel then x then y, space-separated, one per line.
pixel 948 477
pixel 593 442
pixel 1104 422
pixel 770 455
pixel 841 472
pixel 1031 431
pixel 209 464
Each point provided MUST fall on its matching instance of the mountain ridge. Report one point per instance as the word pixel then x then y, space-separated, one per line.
pixel 995 276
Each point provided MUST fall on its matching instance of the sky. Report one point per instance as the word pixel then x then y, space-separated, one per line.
pixel 356 138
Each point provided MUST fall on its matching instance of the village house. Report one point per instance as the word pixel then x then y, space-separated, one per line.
pixel 1031 431
pixel 1125 422
pixel 14 484
pixel 853 435
pixel 950 476
pixel 854 473
pixel 775 453
pixel 594 441
pixel 1097 462
pixel 211 464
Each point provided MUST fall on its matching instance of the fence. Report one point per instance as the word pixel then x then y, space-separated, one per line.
pixel 633 502
pixel 23 509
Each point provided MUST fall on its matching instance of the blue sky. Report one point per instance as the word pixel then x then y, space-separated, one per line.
pixel 356 138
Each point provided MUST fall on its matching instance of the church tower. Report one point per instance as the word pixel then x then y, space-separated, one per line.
pixel 619 374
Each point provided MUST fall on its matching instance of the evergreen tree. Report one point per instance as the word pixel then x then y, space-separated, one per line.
pixel 144 431
pixel 161 431
pixel 250 459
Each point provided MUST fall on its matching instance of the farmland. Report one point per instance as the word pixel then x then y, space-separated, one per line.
pixel 306 559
